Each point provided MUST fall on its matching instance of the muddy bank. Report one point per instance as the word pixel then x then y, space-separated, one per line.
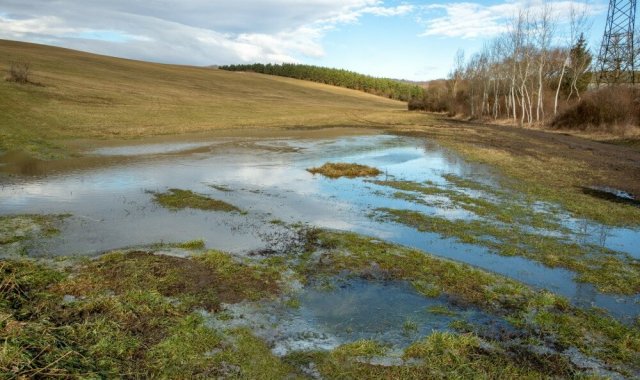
pixel 547 165
pixel 599 163
pixel 86 154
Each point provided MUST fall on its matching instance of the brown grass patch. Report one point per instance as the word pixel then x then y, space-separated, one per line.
pixel 341 169
pixel 178 199
pixel 204 282
pixel 613 110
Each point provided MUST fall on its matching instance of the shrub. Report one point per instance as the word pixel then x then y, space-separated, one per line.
pixel 19 72
pixel 416 105
pixel 606 107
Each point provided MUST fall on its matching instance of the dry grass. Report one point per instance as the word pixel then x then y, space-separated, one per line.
pixel 89 96
pixel 341 169
pixel 544 165
pixel 19 72
pixel 613 110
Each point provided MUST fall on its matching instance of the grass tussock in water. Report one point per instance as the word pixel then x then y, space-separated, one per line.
pixel 610 271
pixel 341 169
pixel 441 355
pixel 176 199
pixel 17 231
pixel 22 227
pixel 512 225
pixel 130 315
pixel 540 168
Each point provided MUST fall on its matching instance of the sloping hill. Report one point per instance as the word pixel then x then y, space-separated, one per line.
pixel 81 95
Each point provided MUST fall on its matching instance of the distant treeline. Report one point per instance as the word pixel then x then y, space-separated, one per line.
pixel 390 88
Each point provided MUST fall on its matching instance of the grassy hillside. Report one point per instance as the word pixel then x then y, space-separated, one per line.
pixel 81 95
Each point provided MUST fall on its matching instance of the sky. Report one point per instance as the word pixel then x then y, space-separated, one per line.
pixel 414 40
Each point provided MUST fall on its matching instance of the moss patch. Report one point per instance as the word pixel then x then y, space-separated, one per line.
pixel 341 169
pixel 176 199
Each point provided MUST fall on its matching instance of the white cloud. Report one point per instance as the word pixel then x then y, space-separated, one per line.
pixel 473 20
pixel 197 32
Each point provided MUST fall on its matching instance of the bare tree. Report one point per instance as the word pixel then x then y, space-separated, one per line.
pixel 579 24
pixel 456 75
pixel 544 25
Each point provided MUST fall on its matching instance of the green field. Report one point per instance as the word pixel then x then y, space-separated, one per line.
pixel 77 95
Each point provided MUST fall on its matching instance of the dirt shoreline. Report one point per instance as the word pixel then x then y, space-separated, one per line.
pixel 600 163
pixel 20 163
pixel 557 167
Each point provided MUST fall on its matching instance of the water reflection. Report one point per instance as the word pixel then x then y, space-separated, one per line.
pixel 112 208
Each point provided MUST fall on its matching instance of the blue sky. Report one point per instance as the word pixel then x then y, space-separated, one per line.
pixel 414 40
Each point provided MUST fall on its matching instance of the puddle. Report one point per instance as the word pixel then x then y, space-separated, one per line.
pixel 111 206
pixel 611 194
pixel 138 150
pixel 389 312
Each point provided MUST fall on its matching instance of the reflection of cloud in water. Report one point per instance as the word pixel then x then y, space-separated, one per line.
pixel 112 209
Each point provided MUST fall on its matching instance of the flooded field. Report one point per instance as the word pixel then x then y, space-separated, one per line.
pixel 425 198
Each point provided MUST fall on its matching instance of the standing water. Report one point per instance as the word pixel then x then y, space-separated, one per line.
pixel 113 207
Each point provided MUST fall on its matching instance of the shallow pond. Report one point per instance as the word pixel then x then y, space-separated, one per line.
pixel 346 310
pixel 112 207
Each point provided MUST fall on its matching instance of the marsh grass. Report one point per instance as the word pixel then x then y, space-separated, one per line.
pixel 540 315
pixel 15 228
pixel 509 224
pixel 134 314
pixel 197 244
pixel 130 315
pixel 442 355
pixel 441 310
pixel 203 281
pixel 176 199
pixel 342 169
pixel 18 232
pixel 490 203
pixel 539 170
pixel 610 271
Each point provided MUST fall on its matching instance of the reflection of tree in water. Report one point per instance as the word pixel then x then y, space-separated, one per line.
pixel 585 295
pixel 593 233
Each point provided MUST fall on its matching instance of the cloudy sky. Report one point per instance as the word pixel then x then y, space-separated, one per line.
pixel 409 39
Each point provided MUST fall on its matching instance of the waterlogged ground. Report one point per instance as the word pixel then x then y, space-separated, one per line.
pixel 256 200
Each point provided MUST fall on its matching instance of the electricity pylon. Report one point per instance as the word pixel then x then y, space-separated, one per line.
pixel 618 58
